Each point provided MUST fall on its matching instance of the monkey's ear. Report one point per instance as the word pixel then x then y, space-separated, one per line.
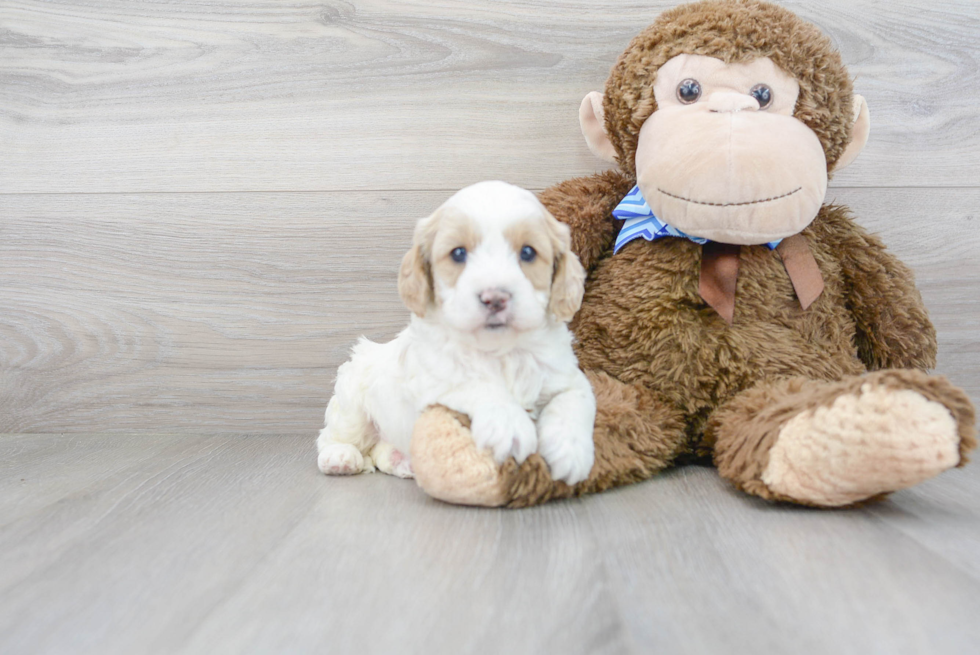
pixel 593 122
pixel 859 133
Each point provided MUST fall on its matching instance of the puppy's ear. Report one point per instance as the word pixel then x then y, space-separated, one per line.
pixel 415 276
pixel 568 281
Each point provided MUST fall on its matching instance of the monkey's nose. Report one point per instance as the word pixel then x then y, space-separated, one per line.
pixel 728 102
pixel 495 300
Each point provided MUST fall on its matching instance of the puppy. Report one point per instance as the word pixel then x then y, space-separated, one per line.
pixel 491 283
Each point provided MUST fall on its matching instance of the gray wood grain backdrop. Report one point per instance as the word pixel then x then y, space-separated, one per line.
pixel 203 204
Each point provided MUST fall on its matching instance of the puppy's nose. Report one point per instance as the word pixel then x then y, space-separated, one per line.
pixel 495 300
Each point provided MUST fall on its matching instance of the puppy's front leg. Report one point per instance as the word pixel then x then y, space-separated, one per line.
pixel 565 432
pixel 497 422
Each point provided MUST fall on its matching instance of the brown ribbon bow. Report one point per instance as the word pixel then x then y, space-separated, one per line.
pixel 719 273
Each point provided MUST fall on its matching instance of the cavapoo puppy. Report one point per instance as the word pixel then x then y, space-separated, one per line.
pixel 491 283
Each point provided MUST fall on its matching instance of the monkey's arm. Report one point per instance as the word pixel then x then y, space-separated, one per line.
pixel 893 327
pixel 585 204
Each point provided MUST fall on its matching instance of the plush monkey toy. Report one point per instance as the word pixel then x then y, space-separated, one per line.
pixel 728 313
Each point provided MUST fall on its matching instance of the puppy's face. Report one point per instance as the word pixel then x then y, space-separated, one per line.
pixel 492 260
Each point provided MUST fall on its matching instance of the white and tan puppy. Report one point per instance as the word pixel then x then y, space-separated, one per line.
pixel 491 283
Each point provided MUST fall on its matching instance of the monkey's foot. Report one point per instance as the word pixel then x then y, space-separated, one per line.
pixel 448 465
pixel 876 439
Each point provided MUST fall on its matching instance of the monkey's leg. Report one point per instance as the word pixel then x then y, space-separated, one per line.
pixel 636 435
pixel 831 444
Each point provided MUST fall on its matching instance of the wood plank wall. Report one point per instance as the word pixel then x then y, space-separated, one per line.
pixel 202 204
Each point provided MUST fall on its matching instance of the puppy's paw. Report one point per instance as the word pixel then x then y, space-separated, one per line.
pixel 390 460
pixel 567 447
pixel 506 430
pixel 340 459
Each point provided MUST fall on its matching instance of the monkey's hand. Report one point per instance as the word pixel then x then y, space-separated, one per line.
pixel 893 327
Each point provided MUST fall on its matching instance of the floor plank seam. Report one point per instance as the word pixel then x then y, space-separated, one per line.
pixel 972 576
pixel 605 567
pixel 93 524
pixel 230 593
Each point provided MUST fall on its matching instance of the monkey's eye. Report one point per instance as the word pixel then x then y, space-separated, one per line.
pixel 763 94
pixel 528 254
pixel 689 91
pixel 458 255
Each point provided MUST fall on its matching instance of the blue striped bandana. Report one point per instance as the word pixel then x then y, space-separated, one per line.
pixel 640 222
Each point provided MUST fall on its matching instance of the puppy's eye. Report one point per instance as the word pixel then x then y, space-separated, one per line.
pixel 458 255
pixel 689 91
pixel 763 94
pixel 528 254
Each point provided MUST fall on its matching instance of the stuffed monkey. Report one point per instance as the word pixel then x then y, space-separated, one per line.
pixel 729 314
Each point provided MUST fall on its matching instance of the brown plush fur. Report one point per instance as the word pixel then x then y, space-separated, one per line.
pixel 589 201
pixel 637 435
pixel 662 363
pixel 733 31
pixel 648 436
pixel 672 378
pixel 743 431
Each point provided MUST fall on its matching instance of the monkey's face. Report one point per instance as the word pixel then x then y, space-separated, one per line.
pixel 723 157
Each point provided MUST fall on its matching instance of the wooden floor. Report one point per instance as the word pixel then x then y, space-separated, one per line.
pixel 237 544
pixel 203 204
